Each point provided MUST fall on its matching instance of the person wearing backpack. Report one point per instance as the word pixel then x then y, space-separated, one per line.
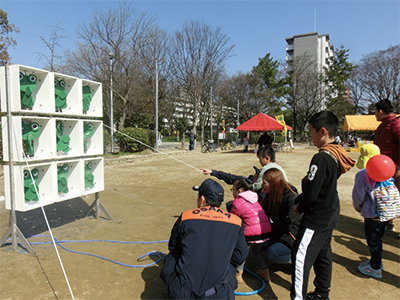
pixel 365 193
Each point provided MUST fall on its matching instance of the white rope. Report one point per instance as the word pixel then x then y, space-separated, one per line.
pixel 47 222
pixel 148 146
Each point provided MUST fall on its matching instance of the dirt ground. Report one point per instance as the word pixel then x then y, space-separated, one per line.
pixel 145 196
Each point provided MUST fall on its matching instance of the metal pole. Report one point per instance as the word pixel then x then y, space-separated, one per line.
pixel 211 115
pixel 237 124
pixel 13 219
pixel 111 56
pixel 156 129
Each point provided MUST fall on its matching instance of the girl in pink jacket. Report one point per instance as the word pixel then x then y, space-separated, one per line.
pixel 256 224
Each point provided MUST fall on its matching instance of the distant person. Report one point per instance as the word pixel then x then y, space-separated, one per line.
pixel 387 138
pixel 277 204
pixel 256 225
pixel 265 139
pixel 205 247
pixel 192 140
pixel 246 144
pixel 319 203
pixel 159 139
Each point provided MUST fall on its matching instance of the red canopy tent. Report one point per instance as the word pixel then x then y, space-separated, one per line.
pixel 261 122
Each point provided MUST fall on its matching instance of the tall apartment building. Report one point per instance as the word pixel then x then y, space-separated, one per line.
pixel 316 46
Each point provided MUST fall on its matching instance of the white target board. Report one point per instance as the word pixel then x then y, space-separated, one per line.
pixel 57 136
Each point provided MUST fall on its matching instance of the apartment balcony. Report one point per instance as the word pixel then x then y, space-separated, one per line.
pixel 289 57
pixel 289 69
pixel 290 47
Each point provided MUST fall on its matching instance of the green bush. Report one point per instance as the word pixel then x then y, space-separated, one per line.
pixel 127 139
pixel 151 134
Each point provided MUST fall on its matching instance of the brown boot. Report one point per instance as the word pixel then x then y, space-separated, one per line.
pixel 264 274
pixel 239 277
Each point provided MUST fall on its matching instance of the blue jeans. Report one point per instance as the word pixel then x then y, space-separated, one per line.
pixel 191 145
pixel 277 253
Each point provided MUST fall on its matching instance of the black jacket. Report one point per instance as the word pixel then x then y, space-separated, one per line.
pixel 285 227
pixel 319 199
pixel 227 177
pixel 208 243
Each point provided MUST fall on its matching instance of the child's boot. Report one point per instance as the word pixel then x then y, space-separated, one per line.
pixel 264 274
pixel 239 277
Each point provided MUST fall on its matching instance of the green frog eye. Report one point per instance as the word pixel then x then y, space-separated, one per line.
pixel 35 172
pixel 26 174
pixel 35 126
pixel 21 76
pixel 32 78
pixel 62 83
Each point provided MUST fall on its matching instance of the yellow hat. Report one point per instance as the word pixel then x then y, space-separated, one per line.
pixel 366 152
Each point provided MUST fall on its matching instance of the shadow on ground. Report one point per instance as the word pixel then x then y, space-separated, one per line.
pixel 58 214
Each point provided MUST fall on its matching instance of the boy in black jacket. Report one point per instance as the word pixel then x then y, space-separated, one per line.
pixel 319 202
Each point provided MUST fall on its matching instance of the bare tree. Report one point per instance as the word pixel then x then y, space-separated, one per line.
pixel 133 41
pixel 307 90
pixel 54 61
pixel 198 53
pixel 380 75
pixel 156 53
pixel 357 91
pixel 245 90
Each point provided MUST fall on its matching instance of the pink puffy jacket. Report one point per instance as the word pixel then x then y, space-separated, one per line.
pixel 255 221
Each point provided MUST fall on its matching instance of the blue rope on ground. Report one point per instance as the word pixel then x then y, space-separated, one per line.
pixel 255 291
pixel 154 253
pixel 159 254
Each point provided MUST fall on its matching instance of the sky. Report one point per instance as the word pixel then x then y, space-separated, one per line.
pixel 254 27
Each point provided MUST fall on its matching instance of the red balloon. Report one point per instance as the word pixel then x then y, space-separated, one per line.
pixel 380 167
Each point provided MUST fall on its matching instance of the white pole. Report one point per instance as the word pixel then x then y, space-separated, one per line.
pixel 13 220
pixel 156 125
pixel 111 56
pixel 13 229
pixel 237 123
pixel 211 116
